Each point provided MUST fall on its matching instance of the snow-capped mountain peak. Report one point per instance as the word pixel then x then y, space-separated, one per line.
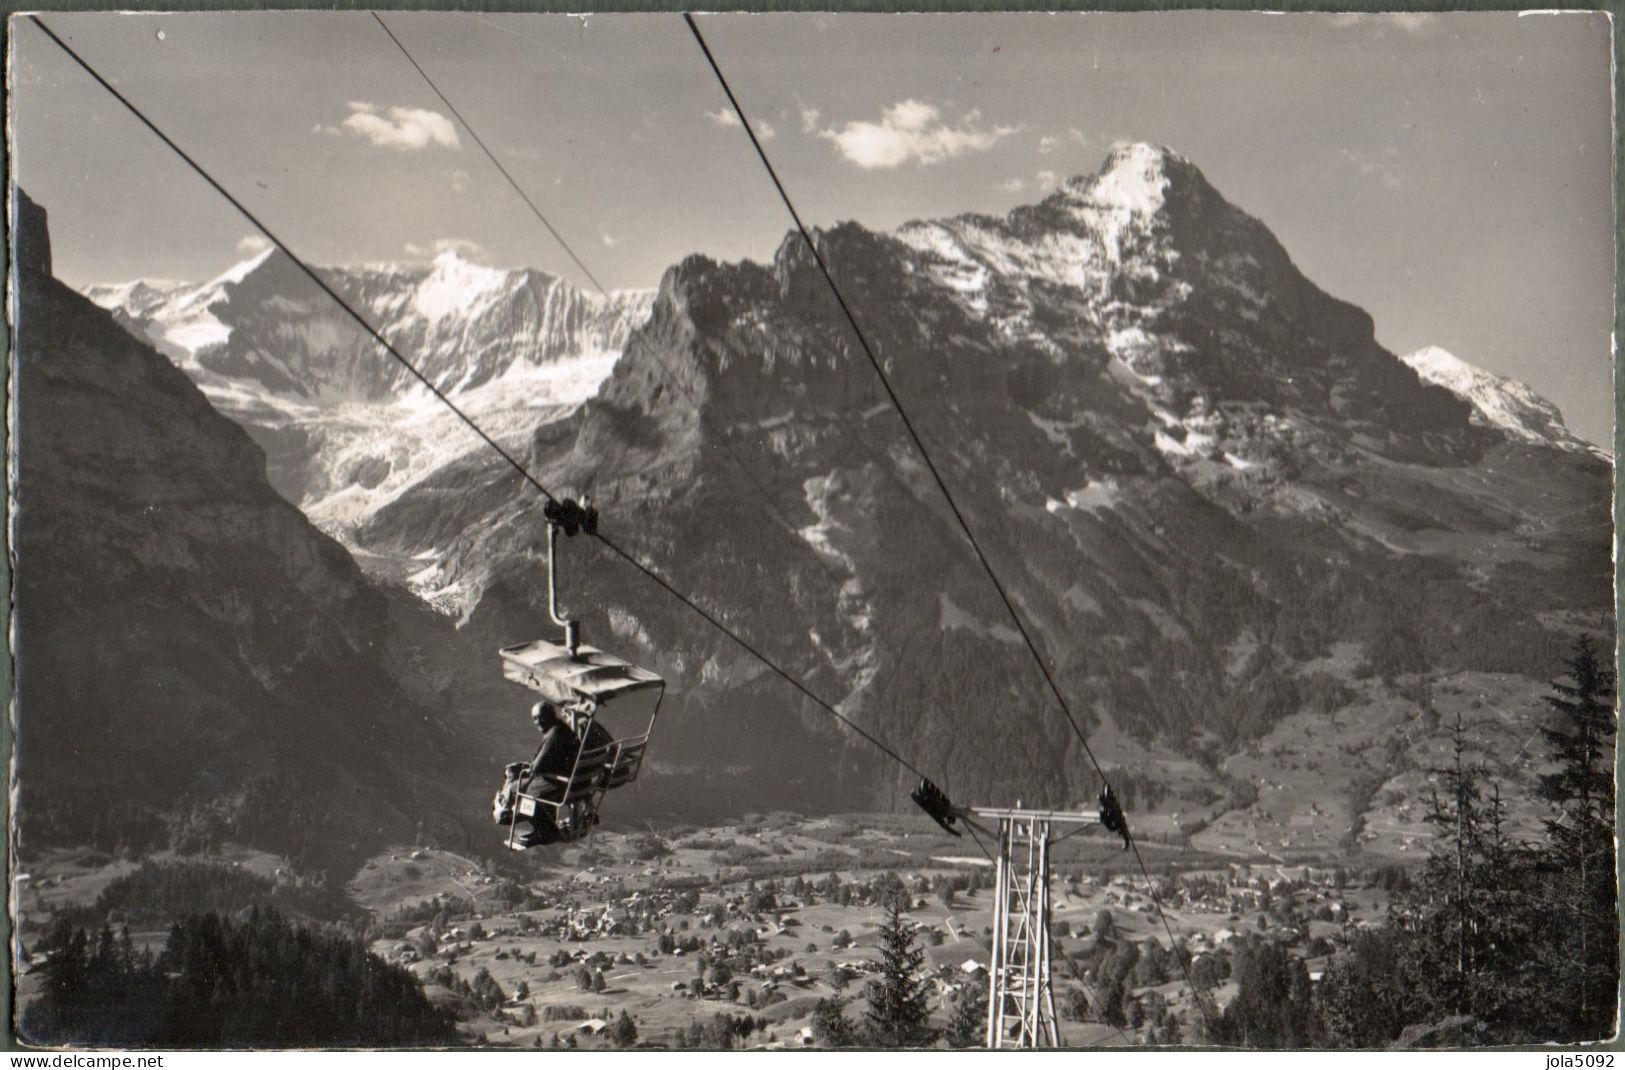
pixel 1500 402
pixel 1092 230
pixel 456 285
pixel 241 270
pixel 1134 179
pixel 135 296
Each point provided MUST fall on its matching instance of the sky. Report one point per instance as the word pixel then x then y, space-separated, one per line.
pixel 1449 173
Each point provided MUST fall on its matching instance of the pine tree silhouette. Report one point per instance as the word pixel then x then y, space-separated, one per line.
pixel 830 1025
pixel 1581 952
pixel 899 1012
pixel 967 1025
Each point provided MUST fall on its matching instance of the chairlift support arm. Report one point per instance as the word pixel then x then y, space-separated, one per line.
pixel 572 517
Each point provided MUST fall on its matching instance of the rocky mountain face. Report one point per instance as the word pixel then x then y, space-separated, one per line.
pixel 192 654
pixel 1227 514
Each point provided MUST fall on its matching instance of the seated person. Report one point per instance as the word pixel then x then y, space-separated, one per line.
pixel 556 755
pixel 554 760
pixel 562 731
pixel 597 735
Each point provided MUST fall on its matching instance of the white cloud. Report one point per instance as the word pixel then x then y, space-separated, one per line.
pixel 1373 168
pixel 1012 185
pixel 1047 181
pixel 253 244
pixel 912 130
pixel 402 129
pixel 725 117
pixel 468 250
pixel 459 181
pixel 609 239
pixel 809 120
pixel 1050 142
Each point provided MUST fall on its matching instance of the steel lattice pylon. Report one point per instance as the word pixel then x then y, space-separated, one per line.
pixel 1021 1003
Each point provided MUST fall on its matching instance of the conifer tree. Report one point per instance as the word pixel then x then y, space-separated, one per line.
pixel 1580 953
pixel 899 1012
pixel 830 1025
pixel 967 1026
pixel 624 1033
pixel 1450 914
pixel 1272 1008
pixel 1506 991
pixel 1362 999
pixel 1466 924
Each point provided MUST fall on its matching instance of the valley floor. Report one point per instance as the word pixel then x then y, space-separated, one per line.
pixel 512 943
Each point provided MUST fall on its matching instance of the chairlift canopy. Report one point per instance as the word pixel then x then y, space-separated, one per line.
pixel 548 669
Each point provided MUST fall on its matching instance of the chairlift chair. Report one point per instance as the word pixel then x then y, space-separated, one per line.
pixel 582 678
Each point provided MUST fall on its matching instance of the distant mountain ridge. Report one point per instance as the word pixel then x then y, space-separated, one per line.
pixel 344 426
pixel 464 324
pixel 1507 404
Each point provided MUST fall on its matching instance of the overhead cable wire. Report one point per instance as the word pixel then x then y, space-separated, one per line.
pixel 891 393
pixel 1173 943
pixel 522 471
pixel 537 212
pixel 925 456
pixel 758 655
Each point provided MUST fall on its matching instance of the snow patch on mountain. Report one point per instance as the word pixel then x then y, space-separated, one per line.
pixel 1087 237
pixel 198 333
pixel 461 324
pixel 820 493
pixel 951 616
pixel 175 315
pixel 407 442
pixel 1121 201
pixel 134 297
pixel 1092 497
pixel 1173 447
